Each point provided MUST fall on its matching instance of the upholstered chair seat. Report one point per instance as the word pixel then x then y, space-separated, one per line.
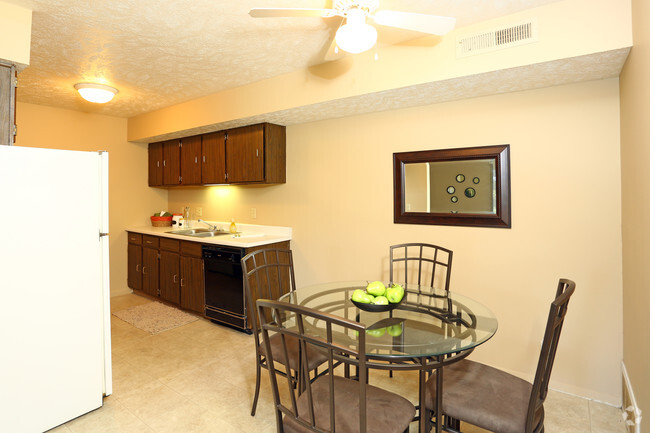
pixel 387 412
pixel 482 395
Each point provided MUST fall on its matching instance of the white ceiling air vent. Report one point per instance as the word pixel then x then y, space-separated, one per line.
pixel 505 37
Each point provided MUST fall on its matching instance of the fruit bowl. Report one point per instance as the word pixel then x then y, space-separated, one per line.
pixel 377 298
pixel 375 308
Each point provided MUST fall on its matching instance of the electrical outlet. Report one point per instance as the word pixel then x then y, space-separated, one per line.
pixel 253 213
pixel 199 212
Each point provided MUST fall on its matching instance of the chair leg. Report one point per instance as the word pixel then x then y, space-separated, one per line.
pixel 428 419
pixel 257 388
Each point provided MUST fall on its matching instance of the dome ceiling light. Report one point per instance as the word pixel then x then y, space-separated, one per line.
pixel 97 93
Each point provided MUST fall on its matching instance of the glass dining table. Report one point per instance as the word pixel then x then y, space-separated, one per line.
pixel 429 329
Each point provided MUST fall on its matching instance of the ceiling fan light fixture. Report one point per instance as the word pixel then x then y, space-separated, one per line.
pixel 356 36
pixel 97 93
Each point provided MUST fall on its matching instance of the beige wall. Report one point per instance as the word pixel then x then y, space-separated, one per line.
pixel 565 205
pixel 635 155
pixel 131 201
pixel 15 34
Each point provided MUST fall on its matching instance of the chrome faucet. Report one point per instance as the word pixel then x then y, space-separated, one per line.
pixel 213 227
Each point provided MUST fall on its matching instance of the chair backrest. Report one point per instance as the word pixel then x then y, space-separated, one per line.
pixel 422 264
pixel 268 274
pixel 298 323
pixel 549 347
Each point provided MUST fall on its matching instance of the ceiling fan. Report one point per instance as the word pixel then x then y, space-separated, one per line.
pixel 356 35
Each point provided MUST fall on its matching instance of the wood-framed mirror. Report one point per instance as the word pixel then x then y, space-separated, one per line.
pixel 463 187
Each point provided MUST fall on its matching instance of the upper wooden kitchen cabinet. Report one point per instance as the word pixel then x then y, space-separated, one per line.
pixel 7 103
pixel 190 172
pixel 171 162
pixel 256 154
pixel 250 154
pixel 213 150
pixel 156 164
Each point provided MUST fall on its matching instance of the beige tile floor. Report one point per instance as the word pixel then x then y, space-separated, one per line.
pixel 200 378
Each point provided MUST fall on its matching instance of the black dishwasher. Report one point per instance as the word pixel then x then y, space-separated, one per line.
pixel 224 286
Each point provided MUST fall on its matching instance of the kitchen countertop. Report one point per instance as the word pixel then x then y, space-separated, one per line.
pixel 249 235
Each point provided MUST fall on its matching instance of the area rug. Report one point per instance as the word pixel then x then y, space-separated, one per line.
pixel 155 317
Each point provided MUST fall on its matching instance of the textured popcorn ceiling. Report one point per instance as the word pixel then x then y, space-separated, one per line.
pixel 162 52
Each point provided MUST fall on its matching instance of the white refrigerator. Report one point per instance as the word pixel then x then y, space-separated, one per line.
pixel 55 345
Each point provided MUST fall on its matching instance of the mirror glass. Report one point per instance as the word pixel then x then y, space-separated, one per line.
pixel 467 186
pixel 451 187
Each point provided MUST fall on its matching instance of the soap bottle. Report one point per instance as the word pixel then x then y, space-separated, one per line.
pixel 233 227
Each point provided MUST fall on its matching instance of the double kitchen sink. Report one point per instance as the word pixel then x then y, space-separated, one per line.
pixel 200 233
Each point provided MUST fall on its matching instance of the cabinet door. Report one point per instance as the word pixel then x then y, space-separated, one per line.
pixel 155 164
pixel 213 149
pixel 171 162
pixel 192 293
pixel 191 160
pixel 170 276
pixel 134 259
pixel 7 103
pixel 150 271
pixel 245 154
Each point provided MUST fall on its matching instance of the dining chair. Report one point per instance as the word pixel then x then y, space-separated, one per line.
pixel 421 264
pixel 330 403
pixel 495 400
pixel 268 273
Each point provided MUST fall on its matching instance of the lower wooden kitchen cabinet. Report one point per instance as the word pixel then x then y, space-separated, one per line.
pixel 192 282
pixel 150 275
pixel 170 277
pixel 171 270
pixel 134 260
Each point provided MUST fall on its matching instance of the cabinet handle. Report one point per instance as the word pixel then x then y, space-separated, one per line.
pixel 149 242
pixel 164 163
pixel 196 160
pixel 181 282
pixel 137 268
pixel 158 164
pixel 174 279
pixel 204 159
pixel 143 270
pixel 257 153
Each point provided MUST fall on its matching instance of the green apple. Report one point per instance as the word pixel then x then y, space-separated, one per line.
pixel 380 300
pixel 376 332
pixel 395 293
pixel 376 288
pixel 395 330
pixel 361 296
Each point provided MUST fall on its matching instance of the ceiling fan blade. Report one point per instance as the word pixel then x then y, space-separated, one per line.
pixel 291 12
pixel 432 24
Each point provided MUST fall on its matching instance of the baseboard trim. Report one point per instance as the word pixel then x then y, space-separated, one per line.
pixel 631 411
